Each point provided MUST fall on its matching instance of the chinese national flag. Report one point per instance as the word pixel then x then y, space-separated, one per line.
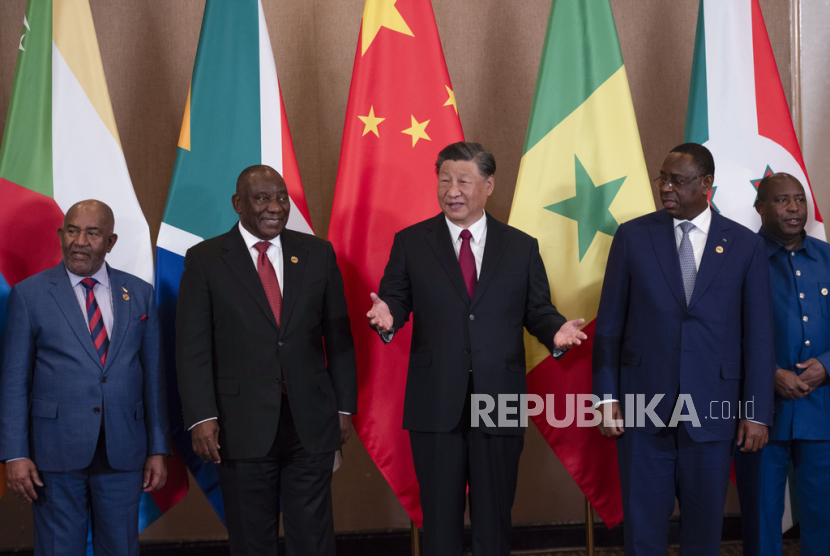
pixel 401 113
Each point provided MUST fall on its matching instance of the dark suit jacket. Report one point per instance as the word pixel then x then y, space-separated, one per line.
pixel 452 334
pixel 230 353
pixel 52 380
pixel 719 349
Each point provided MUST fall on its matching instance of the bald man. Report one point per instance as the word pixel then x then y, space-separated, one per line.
pixel 83 422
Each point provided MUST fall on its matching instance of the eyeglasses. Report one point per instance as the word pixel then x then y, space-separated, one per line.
pixel 661 181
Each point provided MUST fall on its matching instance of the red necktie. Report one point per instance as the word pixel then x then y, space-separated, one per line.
pixel 269 279
pixel 468 263
pixel 96 321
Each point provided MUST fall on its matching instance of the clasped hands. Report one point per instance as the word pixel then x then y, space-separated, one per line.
pixel 791 386
pixel 380 318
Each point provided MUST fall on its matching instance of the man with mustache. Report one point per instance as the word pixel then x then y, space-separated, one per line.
pixel 83 411
pixel 685 321
pixel 800 277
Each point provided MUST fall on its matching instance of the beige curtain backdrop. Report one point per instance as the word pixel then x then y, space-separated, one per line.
pixel 492 48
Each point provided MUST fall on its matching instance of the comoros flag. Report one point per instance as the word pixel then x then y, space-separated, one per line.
pixel 737 108
pixel 60 146
pixel 234 118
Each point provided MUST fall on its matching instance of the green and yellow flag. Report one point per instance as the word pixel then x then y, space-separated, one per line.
pixel 582 174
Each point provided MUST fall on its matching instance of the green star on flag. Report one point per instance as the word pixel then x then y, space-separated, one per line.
pixel 589 207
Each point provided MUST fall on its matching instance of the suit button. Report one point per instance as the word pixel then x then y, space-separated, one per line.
pixel 807 343
pixel 472 317
pixel 103 379
pixel 280 344
pixel 805 318
pixel 96 410
pixel 466 350
pixel 687 318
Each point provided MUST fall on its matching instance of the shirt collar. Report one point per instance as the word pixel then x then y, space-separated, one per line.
pixel 251 240
pixel 477 229
pixel 773 245
pixel 702 221
pixel 102 277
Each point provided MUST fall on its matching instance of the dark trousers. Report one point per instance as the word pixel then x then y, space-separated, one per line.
pixel 445 463
pixel 66 501
pixel 657 468
pixel 253 489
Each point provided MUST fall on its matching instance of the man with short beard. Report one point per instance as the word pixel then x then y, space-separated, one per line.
pixel 83 412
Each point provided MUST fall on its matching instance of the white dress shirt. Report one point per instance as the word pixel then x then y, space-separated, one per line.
pixel 103 296
pixel 697 235
pixel 274 252
pixel 479 233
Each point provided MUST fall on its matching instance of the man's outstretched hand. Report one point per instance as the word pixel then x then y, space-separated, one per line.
pixel 570 335
pixel 379 316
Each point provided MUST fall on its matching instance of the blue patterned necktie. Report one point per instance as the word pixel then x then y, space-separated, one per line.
pixel 687 261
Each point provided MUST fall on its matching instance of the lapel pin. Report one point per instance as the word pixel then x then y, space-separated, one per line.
pixel 719 249
pixel 126 297
pixel 295 260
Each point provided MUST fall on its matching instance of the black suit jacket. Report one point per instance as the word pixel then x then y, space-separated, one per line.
pixel 453 334
pixel 230 353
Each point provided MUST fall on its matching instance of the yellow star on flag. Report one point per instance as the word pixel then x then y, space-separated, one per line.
pixel 451 100
pixel 371 122
pixel 417 131
pixel 377 14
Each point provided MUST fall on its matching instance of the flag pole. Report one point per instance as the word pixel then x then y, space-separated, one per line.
pixel 589 528
pixel 416 549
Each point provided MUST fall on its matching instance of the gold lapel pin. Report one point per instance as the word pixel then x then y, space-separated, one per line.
pixel 295 260
pixel 719 249
pixel 126 297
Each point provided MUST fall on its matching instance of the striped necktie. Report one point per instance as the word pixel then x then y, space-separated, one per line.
pixel 687 261
pixel 96 320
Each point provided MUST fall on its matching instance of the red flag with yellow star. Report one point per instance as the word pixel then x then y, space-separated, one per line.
pixel 401 113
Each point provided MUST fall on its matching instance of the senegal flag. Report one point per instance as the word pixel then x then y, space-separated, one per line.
pixel 61 146
pixel 582 174
pixel 233 118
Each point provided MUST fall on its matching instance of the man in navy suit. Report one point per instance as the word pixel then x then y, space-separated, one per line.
pixel 685 323
pixel 83 424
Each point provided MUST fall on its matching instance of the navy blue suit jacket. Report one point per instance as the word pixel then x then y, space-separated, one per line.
pixel 719 349
pixel 52 379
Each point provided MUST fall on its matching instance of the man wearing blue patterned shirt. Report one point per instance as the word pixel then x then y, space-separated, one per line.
pixel 800 279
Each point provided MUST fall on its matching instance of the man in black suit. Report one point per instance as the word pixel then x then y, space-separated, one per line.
pixel 473 285
pixel 266 370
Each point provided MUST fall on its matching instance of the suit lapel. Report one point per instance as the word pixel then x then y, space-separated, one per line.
pixel 121 313
pixel 68 304
pixel 441 243
pixel 665 248
pixel 238 258
pixel 292 272
pixel 720 234
pixel 493 251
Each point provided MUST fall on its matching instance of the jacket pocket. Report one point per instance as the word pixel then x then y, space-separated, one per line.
pixel 139 411
pixel 228 386
pixel 631 357
pixel 823 290
pixel 730 369
pixel 420 359
pixel 44 409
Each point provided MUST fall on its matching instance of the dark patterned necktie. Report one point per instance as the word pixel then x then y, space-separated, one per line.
pixel 269 280
pixel 96 320
pixel 468 263
pixel 687 261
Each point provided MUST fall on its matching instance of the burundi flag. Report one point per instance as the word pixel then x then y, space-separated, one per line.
pixel 738 110
pixel 60 146
pixel 401 113
pixel 234 118
pixel 582 174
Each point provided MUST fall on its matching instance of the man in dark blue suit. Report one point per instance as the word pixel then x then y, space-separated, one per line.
pixel 685 325
pixel 83 424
